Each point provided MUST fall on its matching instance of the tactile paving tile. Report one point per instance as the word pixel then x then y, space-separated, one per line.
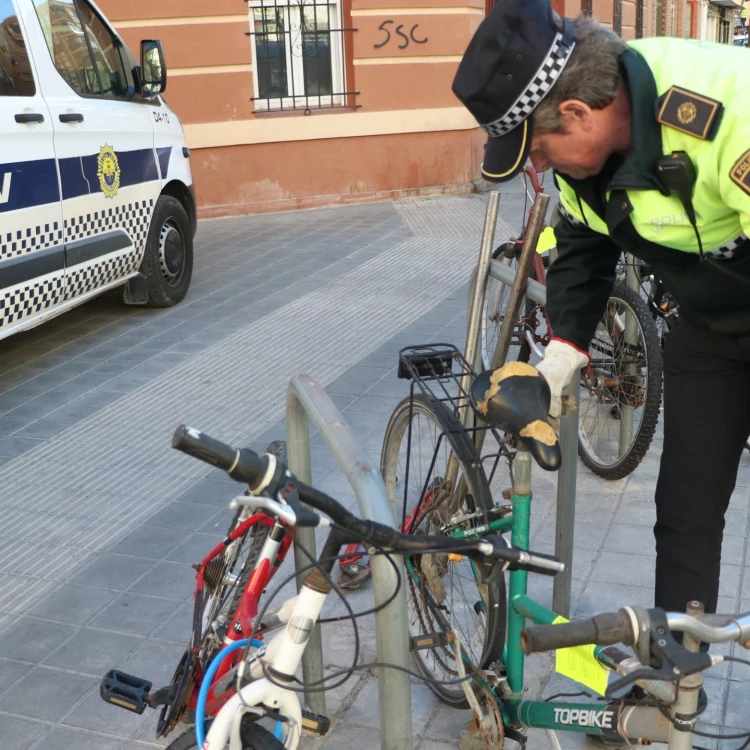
pixel 455 216
pixel 120 457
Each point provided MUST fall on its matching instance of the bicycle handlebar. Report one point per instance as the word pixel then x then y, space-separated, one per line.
pixel 261 475
pixel 622 627
pixel 242 465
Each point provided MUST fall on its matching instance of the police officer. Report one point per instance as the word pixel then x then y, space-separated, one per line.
pixel 650 144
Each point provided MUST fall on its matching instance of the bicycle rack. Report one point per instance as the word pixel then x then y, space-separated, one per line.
pixel 566 476
pixel 306 400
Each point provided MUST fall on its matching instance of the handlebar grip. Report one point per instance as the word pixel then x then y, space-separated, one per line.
pixel 243 465
pixel 208 449
pixel 521 559
pixel 601 630
pixel 535 562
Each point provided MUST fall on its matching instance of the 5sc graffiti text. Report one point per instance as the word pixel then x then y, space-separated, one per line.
pixel 410 37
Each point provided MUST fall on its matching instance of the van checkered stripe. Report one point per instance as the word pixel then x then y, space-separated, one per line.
pixel 30 299
pixel 539 87
pixel 30 239
pixel 134 218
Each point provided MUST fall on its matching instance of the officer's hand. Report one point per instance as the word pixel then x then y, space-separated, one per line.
pixel 561 361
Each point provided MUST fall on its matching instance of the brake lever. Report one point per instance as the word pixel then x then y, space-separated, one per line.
pixel 669 660
pixel 273 507
pixel 305 517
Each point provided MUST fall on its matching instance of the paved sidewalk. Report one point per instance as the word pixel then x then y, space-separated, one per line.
pixel 101 519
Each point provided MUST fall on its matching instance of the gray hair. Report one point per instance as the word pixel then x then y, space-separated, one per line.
pixel 591 75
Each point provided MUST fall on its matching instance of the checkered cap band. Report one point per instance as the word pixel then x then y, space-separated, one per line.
pixel 539 87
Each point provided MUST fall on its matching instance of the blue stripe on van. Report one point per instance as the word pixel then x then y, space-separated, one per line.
pixel 164 154
pixel 29 183
pixel 79 173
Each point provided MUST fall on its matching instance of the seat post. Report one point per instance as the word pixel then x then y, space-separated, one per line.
pixel 521 501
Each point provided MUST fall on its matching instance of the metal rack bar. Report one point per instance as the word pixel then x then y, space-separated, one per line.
pixel 306 400
pixel 566 477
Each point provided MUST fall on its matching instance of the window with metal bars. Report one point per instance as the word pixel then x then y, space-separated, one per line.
pixel 639 19
pixel 299 53
pixel 587 8
pixel 617 17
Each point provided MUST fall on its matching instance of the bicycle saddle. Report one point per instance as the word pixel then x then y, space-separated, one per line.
pixel 516 398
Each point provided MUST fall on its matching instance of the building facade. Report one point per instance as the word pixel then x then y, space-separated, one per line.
pixel 299 103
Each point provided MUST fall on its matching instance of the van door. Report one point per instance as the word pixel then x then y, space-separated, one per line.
pixel 104 143
pixel 32 259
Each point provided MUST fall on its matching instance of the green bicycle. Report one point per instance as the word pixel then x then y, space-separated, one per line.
pixel 467 632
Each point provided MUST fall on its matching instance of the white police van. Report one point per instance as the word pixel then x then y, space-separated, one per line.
pixel 95 185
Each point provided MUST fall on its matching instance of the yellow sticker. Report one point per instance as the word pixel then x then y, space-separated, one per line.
pixel 547 240
pixel 579 664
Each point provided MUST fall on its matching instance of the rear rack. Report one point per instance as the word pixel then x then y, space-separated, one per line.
pixel 439 370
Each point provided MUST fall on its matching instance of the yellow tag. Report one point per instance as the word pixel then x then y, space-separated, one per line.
pixel 547 240
pixel 579 664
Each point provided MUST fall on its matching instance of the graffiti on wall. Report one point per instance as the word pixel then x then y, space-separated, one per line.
pixel 412 36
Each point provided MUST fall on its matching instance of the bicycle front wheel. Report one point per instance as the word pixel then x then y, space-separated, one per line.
pixel 253 736
pixel 621 390
pixel 441 494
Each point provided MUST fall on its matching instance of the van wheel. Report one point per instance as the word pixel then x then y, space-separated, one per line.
pixel 168 260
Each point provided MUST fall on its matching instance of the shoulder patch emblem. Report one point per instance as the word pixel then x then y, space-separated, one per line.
pixel 690 113
pixel 740 173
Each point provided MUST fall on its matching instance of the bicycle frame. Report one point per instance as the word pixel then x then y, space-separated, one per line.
pixel 646 723
pixel 282 656
pixel 271 556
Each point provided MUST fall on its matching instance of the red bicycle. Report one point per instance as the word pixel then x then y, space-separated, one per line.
pixel 229 583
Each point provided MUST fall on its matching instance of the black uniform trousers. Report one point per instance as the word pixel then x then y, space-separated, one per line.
pixel 706 424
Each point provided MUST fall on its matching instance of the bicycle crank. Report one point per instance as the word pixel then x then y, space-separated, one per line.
pixel 485 730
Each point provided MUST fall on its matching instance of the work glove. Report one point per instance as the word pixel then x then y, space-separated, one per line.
pixel 561 362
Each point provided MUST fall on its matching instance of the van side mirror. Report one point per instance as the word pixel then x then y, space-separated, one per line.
pixel 153 68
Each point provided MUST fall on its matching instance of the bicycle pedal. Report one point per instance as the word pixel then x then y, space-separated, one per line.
pixel 125 690
pixel 428 640
pixel 315 723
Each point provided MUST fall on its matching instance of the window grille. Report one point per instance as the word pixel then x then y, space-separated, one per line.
pixel 299 55
pixel 639 19
pixel 617 17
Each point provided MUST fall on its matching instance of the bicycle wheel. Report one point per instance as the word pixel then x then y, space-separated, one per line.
pixel 494 306
pixel 442 594
pixel 621 390
pixel 228 575
pixel 252 735
pixel 228 579
pixel 225 580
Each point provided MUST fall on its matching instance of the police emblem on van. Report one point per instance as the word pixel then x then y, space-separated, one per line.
pixel 108 171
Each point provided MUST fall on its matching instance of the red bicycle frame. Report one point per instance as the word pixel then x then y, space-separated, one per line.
pixel 241 624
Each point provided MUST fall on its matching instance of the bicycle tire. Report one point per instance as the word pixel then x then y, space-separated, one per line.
pixel 420 594
pixel 258 536
pixel 494 302
pixel 278 449
pixel 626 462
pixel 252 735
